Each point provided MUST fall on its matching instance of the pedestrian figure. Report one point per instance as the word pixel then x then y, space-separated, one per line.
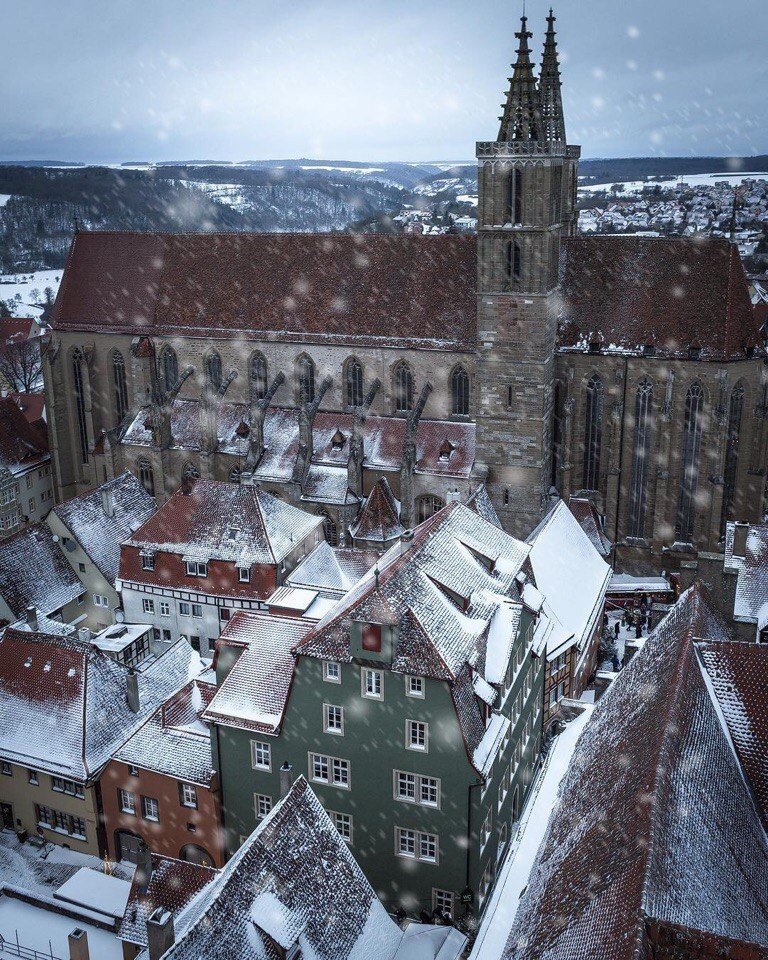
pixel 617 629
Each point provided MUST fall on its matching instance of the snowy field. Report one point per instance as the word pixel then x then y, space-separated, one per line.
pixel 22 285
pixel 634 187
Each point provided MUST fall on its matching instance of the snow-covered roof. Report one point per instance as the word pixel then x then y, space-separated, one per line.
pixel 34 572
pixel 226 521
pixel 97 892
pixel 64 703
pixel 332 570
pixel 254 694
pixel 569 572
pixel 751 600
pixel 655 823
pixel 295 882
pixel 102 519
pixel 589 520
pixel 379 519
pixel 481 503
pixel 174 740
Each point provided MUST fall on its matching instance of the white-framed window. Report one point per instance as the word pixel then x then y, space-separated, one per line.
pixel 100 601
pixel 150 809
pixel 372 686
pixel 485 884
pixel 165 608
pixel 414 687
pixel 188 795
pixel 261 755
pixel 486 829
pixel 416 845
pixel 331 671
pixel 416 788
pixel 33 778
pixel 183 608
pixel 417 735
pixel 343 823
pixel 330 770
pixel 147 561
pixel 60 785
pixel 333 719
pixel 262 805
pixel 197 611
pixel 244 574
pixel 442 900
pixel 30 482
pixel 127 801
pixel 31 505
pixel 147 605
pixel 194 568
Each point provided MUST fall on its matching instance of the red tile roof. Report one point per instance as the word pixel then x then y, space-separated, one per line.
pixel 32 405
pixel 21 443
pixel 16 329
pixel 630 292
pixel 298 286
pixel 379 520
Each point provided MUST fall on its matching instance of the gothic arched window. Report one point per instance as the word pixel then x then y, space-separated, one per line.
pixel 354 382
pixel 169 367
pixel 234 475
pixel 427 506
pixel 460 392
pixel 593 433
pixel 689 464
pixel 735 413
pixel 259 384
pixel 120 385
pixel 403 387
pixel 213 372
pixel 190 471
pixel 146 475
pixel 79 382
pixel 641 460
pixel 518 208
pixel 306 376
pixel 330 528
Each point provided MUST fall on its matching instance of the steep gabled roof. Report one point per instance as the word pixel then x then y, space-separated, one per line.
pixel 21 443
pixel 379 520
pixel 226 521
pixel 33 572
pixel 751 599
pixel 64 703
pixel 100 533
pixel 350 289
pixel 654 819
pixel 588 519
pixel 332 570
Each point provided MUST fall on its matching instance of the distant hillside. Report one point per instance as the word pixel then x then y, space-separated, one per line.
pixel 640 168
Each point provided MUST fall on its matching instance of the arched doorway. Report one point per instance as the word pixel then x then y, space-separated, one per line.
pixel 192 853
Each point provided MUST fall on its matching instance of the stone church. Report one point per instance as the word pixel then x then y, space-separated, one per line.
pixel 496 369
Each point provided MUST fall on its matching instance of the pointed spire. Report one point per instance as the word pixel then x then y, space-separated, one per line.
pixel 522 117
pixel 552 118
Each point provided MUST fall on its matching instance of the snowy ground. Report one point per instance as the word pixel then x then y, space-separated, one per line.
pixel 513 878
pixel 634 187
pixel 22 285
pixel 47 931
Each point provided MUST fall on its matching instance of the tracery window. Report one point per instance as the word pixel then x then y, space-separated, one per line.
pixel 82 426
pixel 330 528
pixel 354 382
pixel 306 372
pixel 190 471
pixel 403 387
pixel 593 433
pixel 460 392
pixel 735 414
pixel 259 384
pixel 689 465
pixel 427 506
pixel 146 476
pixel 120 385
pixel 641 460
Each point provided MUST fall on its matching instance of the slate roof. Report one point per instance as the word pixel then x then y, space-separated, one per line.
pixel 411 290
pixel 254 694
pixel 33 572
pixel 751 599
pixel 22 445
pixel 174 741
pixel 296 881
pixel 100 534
pixel 626 293
pixel 481 503
pixel 569 572
pixel 225 521
pixel 379 519
pixel 172 885
pixel 332 570
pixel 64 704
pixel 363 289
pixel 739 675
pixel 654 819
pixel 584 510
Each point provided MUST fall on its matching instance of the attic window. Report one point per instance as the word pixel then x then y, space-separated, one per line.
pixel 371 637
pixel 147 561
pixel 649 350
pixel 242 429
pixel 446 450
pixel 694 351
pixel 338 440
pixel 594 346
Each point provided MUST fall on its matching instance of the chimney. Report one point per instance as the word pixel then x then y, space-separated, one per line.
pixel 160 933
pixel 132 690
pixel 143 867
pixel 107 501
pixel 285 778
pixel 84 635
pixel 246 478
pixel 78 944
pixel 32 617
pixel 406 538
pixel 740 531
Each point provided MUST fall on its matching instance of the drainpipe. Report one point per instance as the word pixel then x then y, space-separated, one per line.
pixel 621 462
pixel 470 788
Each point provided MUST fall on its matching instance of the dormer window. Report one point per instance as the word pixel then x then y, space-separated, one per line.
pixel 371 637
pixel 446 450
pixel 649 350
pixel 147 561
pixel 242 429
pixel 244 574
pixel 196 569
pixel 694 351
pixel 594 346
pixel 338 440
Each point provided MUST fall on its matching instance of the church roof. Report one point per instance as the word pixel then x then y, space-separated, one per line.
pixel 304 287
pixel 624 294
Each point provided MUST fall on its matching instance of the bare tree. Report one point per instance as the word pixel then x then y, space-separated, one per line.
pixel 21 365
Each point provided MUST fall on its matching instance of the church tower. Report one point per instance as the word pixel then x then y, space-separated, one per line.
pixel 527 181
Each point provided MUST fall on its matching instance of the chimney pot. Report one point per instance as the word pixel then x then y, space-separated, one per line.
pixel 132 690
pixel 32 617
pixel 78 944
pixel 285 778
pixel 160 933
pixel 107 501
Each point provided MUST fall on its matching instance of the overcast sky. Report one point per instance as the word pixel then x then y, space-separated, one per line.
pixel 113 80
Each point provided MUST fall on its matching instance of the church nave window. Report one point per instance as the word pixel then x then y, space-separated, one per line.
pixel 427 506
pixel 259 385
pixel 213 370
pixel 169 367
pixel 306 378
pixel 735 413
pixel 121 386
pixel 403 388
pixel 354 382
pixel 460 392
pixel 593 433
pixel 641 460
pixel 689 465
pixel 82 426
pixel 146 475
